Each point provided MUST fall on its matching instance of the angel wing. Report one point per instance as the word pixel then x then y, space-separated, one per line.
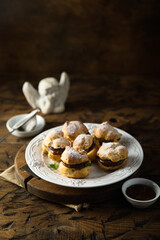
pixel 64 85
pixel 62 94
pixel 31 94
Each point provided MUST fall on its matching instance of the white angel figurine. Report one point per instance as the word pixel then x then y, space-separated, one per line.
pixel 51 94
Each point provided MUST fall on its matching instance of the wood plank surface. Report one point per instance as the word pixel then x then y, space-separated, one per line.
pixel 128 102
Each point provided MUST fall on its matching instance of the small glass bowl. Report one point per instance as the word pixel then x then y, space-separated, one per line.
pixel 141 203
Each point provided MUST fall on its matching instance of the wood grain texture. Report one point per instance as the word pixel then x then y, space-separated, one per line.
pixel 130 103
pixel 80 37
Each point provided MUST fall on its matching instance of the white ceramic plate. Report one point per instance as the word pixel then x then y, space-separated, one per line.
pixel 39 163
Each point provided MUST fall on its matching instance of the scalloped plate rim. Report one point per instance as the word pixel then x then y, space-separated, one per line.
pixel 77 183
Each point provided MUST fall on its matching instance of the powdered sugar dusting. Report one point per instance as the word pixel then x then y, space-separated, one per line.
pixel 60 143
pixel 113 151
pixel 106 131
pixel 83 141
pixel 53 134
pixel 72 156
pixel 74 128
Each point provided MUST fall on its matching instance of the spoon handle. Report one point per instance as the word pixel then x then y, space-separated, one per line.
pixel 24 120
pixel 5 136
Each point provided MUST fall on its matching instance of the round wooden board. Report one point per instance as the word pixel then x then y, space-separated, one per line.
pixel 55 193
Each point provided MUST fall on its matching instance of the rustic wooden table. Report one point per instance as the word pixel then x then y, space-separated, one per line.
pixel 131 103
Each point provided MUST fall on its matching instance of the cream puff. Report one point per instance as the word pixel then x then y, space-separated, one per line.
pixel 106 133
pixel 87 143
pixel 112 156
pixel 71 129
pixel 54 144
pixel 74 164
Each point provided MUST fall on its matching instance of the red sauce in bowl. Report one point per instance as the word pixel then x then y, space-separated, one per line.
pixel 140 192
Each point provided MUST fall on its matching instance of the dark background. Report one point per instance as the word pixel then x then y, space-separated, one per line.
pixel 82 37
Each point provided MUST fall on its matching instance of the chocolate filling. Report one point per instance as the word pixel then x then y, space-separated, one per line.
pixel 76 166
pixel 101 140
pixel 90 148
pixel 109 163
pixel 56 151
